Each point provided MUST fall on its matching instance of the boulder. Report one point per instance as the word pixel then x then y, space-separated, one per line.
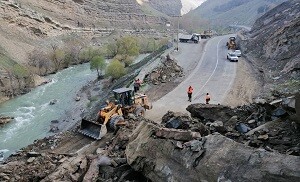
pixel 5 119
pixel 52 102
pixel 210 158
pixel 210 112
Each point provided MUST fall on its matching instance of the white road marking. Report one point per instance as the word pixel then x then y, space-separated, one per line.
pixel 200 90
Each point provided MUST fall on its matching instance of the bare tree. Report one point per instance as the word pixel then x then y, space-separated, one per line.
pixel 56 56
pixel 40 60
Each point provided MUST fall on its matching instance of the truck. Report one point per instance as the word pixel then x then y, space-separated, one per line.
pixel 206 34
pixel 190 38
pixel 231 44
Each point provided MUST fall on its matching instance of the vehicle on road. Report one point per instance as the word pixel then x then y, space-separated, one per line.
pixel 238 53
pixel 231 56
pixel 206 34
pixel 231 44
pixel 126 102
pixel 189 38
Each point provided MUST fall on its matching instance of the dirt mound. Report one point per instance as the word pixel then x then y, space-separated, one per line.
pixel 167 71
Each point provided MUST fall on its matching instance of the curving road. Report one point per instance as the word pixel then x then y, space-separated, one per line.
pixel 210 73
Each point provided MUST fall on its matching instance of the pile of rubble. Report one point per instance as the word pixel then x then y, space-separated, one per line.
pixel 206 146
pixel 168 71
pixel 273 128
pixel 41 161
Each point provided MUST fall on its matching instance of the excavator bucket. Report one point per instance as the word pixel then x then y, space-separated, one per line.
pixel 92 129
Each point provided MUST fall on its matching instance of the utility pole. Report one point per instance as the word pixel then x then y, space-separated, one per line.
pixel 177 46
pixel 178 32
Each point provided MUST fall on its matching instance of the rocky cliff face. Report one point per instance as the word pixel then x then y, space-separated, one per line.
pixel 274 42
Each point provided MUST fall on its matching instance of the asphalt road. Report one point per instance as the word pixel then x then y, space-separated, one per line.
pixel 207 72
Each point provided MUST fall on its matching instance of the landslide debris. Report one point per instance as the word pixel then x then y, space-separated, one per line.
pixel 167 71
pixel 211 158
pixel 248 143
pixel 273 128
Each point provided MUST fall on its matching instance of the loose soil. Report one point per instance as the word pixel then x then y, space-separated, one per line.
pixel 246 85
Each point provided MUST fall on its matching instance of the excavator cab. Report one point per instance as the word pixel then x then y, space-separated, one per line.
pixel 124 96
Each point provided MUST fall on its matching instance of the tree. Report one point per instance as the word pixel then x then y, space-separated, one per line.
pixel 127 48
pixel 111 49
pixel 39 60
pixel 115 69
pixel 57 57
pixel 87 54
pixel 98 63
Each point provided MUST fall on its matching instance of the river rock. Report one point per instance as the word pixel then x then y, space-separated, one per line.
pixel 52 102
pixel 213 158
pixel 5 119
pixel 77 98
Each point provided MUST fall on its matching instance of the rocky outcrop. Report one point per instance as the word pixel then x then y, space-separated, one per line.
pixel 211 158
pixel 273 42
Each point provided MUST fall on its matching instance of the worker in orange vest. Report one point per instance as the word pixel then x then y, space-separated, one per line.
pixel 207 98
pixel 190 92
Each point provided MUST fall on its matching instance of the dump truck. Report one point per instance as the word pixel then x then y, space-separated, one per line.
pixel 189 38
pixel 114 113
pixel 206 34
pixel 231 44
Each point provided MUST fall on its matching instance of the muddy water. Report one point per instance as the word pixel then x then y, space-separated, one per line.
pixel 33 112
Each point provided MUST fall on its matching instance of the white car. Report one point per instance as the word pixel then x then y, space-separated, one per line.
pixel 238 53
pixel 231 56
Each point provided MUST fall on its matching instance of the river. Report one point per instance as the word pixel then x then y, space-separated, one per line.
pixel 33 112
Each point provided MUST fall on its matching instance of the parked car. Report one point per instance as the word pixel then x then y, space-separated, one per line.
pixel 238 53
pixel 231 56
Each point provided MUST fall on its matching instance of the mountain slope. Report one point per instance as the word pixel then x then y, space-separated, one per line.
pixel 274 44
pixel 188 5
pixel 40 26
pixel 227 12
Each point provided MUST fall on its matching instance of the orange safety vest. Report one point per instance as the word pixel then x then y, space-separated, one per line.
pixel 190 90
pixel 207 97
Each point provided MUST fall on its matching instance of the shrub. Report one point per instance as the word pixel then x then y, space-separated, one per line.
pixel 115 69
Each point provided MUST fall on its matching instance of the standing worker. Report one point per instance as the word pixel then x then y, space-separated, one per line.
pixel 137 85
pixel 190 92
pixel 207 98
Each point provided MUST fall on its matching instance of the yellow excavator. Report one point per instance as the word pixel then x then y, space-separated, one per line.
pixel 126 102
